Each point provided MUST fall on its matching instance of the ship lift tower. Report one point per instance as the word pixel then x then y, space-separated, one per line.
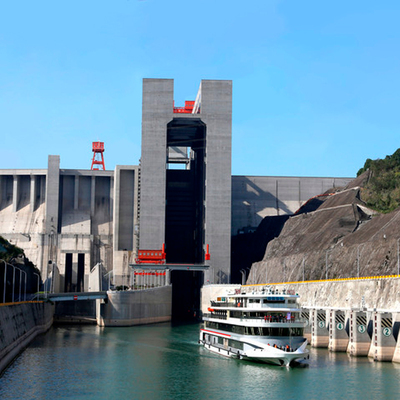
pixel 98 158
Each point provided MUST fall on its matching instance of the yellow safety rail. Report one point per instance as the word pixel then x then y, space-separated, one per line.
pixel 328 280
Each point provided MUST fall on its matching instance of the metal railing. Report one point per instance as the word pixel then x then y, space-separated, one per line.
pixel 277 320
pixel 20 297
pixel 273 320
pixel 222 304
pixel 216 316
pixel 134 280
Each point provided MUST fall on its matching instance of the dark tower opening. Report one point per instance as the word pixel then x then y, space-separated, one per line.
pixel 81 273
pixel 185 211
pixel 185 191
pixel 186 294
pixel 68 273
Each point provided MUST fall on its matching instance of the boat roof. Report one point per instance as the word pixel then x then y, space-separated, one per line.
pixel 260 295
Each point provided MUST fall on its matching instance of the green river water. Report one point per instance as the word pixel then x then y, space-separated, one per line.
pixel 165 361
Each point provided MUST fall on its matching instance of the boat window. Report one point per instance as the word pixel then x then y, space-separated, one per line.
pixel 242 330
pixel 237 329
pixel 235 344
pixel 274 300
pixel 282 331
pixel 236 314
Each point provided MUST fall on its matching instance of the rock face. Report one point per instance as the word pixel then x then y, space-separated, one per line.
pixel 336 236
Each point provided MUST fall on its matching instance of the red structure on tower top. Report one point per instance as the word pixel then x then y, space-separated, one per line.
pixel 188 109
pixel 98 150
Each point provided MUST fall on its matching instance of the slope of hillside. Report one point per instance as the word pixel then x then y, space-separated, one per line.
pixel 341 238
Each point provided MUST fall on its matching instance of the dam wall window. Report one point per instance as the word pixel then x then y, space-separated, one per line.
pixel 81 273
pixel 68 273
pixel 6 190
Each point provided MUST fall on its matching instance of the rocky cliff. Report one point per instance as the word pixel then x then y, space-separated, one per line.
pixel 333 236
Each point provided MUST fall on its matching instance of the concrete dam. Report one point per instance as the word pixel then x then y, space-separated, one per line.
pixel 181 195
pixel 91 230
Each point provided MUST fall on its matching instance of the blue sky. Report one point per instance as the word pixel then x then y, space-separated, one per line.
pixel 316 86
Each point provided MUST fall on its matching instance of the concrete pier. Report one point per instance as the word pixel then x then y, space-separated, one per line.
pixel 396 325
pixel 383 343
pixel 305 315
pixel 128 308
pixel 319 331
pixel 338 328
pixel 359 340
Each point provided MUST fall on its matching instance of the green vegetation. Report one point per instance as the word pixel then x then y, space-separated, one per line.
pixel 8 251
pixel 382 191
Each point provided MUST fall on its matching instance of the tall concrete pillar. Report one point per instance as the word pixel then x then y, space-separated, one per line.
pixel 216 111
pixel 319 329
pixel 167 277
pixel 305 315
pixel 15 193
pixel 359 340
pixel 92 196
pixel 383 343
pixel 158 102
pixel 32 194
pixel 111 198
pixel 52 194
pixel 396 324
pixel 76 192
pixel 338 337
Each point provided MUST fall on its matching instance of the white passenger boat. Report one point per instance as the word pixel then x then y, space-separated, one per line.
pixel 263 326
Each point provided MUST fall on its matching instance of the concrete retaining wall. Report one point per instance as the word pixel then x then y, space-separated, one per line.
pixel 128 308
pixel 372 293
pixel 20 324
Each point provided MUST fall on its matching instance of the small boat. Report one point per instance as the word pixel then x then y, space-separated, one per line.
pixel 264 326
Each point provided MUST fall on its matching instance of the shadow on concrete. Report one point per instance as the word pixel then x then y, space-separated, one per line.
pixel 248 248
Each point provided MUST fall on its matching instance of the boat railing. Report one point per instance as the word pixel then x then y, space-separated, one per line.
pixel 276 320
pixel 217 316
pixel 222 304
pixel 226 304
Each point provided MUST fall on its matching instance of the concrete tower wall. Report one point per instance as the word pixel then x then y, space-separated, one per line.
pixel 255 197
pixel 157 107
pixel 216 114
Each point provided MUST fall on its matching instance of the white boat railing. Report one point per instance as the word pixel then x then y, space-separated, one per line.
pixel 261 319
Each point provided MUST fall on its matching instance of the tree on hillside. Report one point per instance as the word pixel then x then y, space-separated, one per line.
pixel 382 192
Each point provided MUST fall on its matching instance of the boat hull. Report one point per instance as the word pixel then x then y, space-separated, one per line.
pixel 266 355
